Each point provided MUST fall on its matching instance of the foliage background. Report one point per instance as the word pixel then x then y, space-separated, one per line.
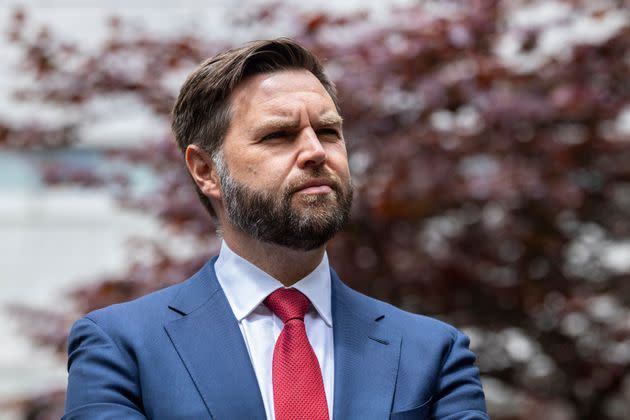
pixel 489 145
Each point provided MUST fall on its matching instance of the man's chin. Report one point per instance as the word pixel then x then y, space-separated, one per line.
pixel 311 200
pixel 317 215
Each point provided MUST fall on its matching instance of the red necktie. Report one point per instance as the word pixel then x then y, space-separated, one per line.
pixel 298 388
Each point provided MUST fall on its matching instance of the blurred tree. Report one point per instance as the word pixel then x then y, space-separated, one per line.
pixel 490 152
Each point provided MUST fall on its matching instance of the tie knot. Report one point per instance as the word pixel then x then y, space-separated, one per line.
pixel 287 304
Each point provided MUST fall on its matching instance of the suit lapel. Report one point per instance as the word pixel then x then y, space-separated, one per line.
pixel 366 357
pixel 210 344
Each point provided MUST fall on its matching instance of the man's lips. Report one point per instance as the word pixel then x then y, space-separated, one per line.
pixel 321 189
pixel 315 186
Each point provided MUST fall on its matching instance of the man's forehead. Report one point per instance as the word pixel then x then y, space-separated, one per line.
pixel 273 90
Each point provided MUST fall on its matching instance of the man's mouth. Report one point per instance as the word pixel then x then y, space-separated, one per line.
pixel 321 189
pixel 315 186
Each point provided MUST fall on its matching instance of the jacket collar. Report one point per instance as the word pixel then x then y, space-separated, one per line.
pixel 367 353
pixel 211 346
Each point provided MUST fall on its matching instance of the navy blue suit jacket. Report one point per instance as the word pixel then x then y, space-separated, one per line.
pixel 178 353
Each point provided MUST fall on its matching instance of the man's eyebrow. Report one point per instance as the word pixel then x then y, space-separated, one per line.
pixel 280 124
pixel 330 119
pixel 275 124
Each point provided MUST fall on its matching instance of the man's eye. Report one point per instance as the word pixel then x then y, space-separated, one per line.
pixel 329 132
pixel 276 135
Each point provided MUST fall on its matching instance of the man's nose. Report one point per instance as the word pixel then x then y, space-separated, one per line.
pixel 312 151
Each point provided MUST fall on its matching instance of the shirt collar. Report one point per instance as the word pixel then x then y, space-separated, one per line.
pixel 246 286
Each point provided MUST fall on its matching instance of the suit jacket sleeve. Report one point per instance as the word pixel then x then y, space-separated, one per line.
pixel 459 394
pixel 102 379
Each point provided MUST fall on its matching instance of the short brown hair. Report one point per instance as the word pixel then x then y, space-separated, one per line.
pixel 202 112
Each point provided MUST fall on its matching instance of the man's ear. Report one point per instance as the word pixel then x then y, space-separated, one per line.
pixel 201 168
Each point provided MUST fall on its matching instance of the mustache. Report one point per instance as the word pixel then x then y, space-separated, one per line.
pixel 315 174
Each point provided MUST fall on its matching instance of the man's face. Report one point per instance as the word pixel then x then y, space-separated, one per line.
pixel 284 168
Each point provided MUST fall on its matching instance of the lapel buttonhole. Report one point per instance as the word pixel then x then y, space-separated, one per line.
pixel 379 340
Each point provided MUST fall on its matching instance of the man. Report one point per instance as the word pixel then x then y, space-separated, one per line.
pixel 267 329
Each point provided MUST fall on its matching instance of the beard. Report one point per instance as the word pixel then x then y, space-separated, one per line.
pixel 297 221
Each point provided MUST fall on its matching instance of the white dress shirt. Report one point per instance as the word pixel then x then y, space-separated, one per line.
pixel 246 286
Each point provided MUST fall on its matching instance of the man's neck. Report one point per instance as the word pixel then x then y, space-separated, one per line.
pixel 286 265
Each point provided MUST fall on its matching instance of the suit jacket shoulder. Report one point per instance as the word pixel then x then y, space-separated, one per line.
pixel 122 362
pixel 409 324
pixel 435 372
